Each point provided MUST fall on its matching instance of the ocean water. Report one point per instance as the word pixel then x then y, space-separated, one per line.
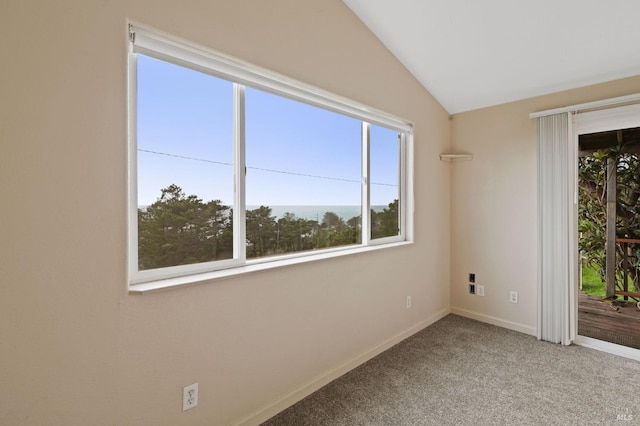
pixel 317 212
pixel 311 212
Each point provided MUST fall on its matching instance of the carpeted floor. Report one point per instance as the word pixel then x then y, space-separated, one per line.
pixel 463 372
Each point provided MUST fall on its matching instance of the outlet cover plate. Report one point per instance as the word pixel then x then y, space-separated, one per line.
pixel 189 397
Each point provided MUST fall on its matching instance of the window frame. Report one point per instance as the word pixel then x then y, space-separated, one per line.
pixel 182 53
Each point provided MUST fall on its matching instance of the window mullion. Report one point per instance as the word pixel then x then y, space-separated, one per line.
pixel 366 169
pixel 133 160
pixel 401 183
pixel 239 210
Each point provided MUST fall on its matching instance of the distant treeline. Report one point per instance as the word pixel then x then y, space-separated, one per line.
pixel 181 229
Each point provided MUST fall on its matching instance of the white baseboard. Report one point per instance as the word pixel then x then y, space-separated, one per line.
pixel 522 328
pixel 611 348
pixel 271 409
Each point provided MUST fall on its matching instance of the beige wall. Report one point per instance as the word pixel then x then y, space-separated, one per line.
pixel 494 204
pixel 75 349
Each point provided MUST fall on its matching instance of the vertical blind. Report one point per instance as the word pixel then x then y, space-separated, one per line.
pixel 555 197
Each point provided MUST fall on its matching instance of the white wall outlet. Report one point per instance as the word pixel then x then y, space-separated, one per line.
pixel 408 302
pixel 513 297
pixel 189 397
pixel 480 290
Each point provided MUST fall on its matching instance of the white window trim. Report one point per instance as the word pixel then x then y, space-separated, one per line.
pixel 179 52
pixel 183 53
pixel 255 266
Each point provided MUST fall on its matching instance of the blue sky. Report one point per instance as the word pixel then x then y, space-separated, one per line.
pixel 185 118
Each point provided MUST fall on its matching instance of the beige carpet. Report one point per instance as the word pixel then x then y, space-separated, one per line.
pixel 463 372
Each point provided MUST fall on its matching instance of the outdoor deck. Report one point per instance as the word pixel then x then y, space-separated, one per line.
pixel 615 322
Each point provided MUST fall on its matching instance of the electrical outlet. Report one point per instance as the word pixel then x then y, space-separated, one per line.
pixel 513 297
pixel 480 290
pixel 408 302
pixel 472 289
pixel 189 397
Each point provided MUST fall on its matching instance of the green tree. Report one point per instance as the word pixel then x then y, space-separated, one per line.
pixel 592 210
pixel 294 234
pixel 385 223
pixel 334 232
pixel 261 232
pixel 179 229
pixel 355 229
pixel 332 222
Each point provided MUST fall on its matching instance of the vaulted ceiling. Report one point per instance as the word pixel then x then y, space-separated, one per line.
pixel 472 54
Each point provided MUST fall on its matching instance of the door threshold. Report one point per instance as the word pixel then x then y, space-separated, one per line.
pixel 612 348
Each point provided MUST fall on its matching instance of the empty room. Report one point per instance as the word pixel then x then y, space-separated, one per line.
pixel 319 212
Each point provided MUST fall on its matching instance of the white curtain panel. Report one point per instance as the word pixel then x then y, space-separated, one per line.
pixel 555 198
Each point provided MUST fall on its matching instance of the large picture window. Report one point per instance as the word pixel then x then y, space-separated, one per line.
pixel 231 165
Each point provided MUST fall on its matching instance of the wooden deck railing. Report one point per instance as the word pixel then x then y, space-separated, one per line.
pixel 628 270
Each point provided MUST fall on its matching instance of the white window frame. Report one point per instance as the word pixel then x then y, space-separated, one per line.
pixel 169 49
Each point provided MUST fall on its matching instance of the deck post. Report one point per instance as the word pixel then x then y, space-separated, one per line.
pixel 611 227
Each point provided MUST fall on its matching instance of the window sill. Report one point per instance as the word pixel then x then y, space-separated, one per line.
pixel 185 281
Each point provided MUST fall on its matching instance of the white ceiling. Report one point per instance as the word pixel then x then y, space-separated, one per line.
pixel 471 54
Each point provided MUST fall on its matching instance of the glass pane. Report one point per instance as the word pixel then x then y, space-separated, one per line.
pixel 384 154
pixel 303 187
pixel 185 172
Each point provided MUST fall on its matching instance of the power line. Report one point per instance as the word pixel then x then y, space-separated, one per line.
pixel 184 157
